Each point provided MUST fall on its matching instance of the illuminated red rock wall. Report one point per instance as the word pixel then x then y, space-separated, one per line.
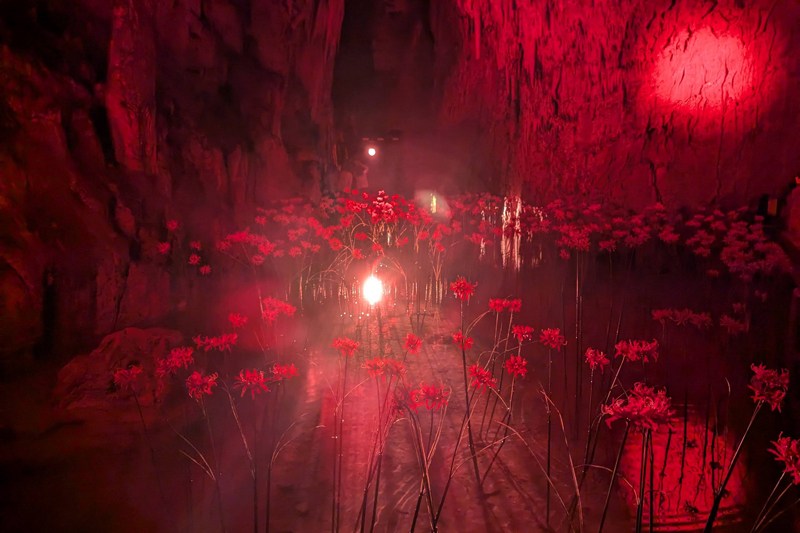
pixel 118 115
pixel 687 102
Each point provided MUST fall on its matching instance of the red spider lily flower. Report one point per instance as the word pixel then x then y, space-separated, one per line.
pixel 346 346
pixel 662 314
pixel 172 225
pixel 433 396
pixel 515 306
pixel 377 248
pixel 374 367
pixel 252 381
pixel 463 289
pixel 361 236
pixel 126 378
pixel 517 366
pixel 464 342
pixel 177 358
pixel 257 259
pixel 643 408
pixel 522 332
pixel 701 320
pixel 608 246
pixel 221 343
pixel 733 326
pixel 637 350
pixel 439 247
pixel 413 344
pixel 286 372
pixel 482 378
pixel 194 259
pixel 195 245
pixel 205 270
pixel 295 251
pixel 564 253
pixel 787 451
pixel 237 320
pixel 681 317
pixel 769 385
pixel 402 402
pixel 261 220
pixel 200 385
pixel 357 254
pixel 335 243
pixel 278 253
pixel 423 235
pixel 273 307
pixel 596 358
pixel 497 305
pixel 393 369
pixel 163 248
pixel 552 338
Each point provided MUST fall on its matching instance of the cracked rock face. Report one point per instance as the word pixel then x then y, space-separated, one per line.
pixel 688 103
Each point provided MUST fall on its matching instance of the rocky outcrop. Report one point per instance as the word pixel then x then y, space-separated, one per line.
pixel 117 116
pixel 87 382
pixel 687 103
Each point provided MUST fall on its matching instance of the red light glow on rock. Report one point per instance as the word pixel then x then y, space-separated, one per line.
pixel 699 69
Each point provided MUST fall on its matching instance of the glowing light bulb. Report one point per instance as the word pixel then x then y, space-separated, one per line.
pixel 372 152
pixel 373 290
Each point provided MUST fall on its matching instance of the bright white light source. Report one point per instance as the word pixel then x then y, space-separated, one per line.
pixel 373 290
pixel 372 152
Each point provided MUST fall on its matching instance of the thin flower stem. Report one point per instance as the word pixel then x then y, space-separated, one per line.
pixel 642 481
pixel 613 476
pixel 762 515
pixel 771 520
pixel 152 452
pixel 712 516
pixel 216 463
pixel 505 433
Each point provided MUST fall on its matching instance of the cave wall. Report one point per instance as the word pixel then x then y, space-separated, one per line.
pixel 681 101
pixel 118 115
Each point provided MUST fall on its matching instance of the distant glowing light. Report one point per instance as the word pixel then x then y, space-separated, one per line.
pixel 373 290
pixel 703 69
pixel 372 152
pixel 433 203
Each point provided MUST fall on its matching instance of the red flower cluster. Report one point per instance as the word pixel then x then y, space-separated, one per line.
pixel 769 385
pixel 177 358
pixel 522 332
pixel 237 321
pixel 499 305
pixel 413 344
pixel 432 395
pixel 644 408
pixel 482 378
pixel 200 385
pixel 286 372
pixel 464 342
pixel 596 358
pixel 463 289
pixel 273 307
pixel 163 248
pixel 252 381
pixel 787 451
pixel 517 366
pixel 552 338
pixel 732 325
pixel 345 346
pixel 637 350
pixel 125 378
pixel 221 343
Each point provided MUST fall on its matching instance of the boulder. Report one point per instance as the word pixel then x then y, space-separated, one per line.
pixel 87 382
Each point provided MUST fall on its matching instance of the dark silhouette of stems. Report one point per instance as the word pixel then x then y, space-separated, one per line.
pixel 152 452
pixel 549 424
pixel 762 514
pixel 216 463
pixel 712 516
pixel 613 476
pixel 506 417
pixel 642 480
pixel 467 399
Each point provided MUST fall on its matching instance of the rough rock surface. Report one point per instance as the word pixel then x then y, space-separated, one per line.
pixel 117 116
pixel 86 382
pixel 682 102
